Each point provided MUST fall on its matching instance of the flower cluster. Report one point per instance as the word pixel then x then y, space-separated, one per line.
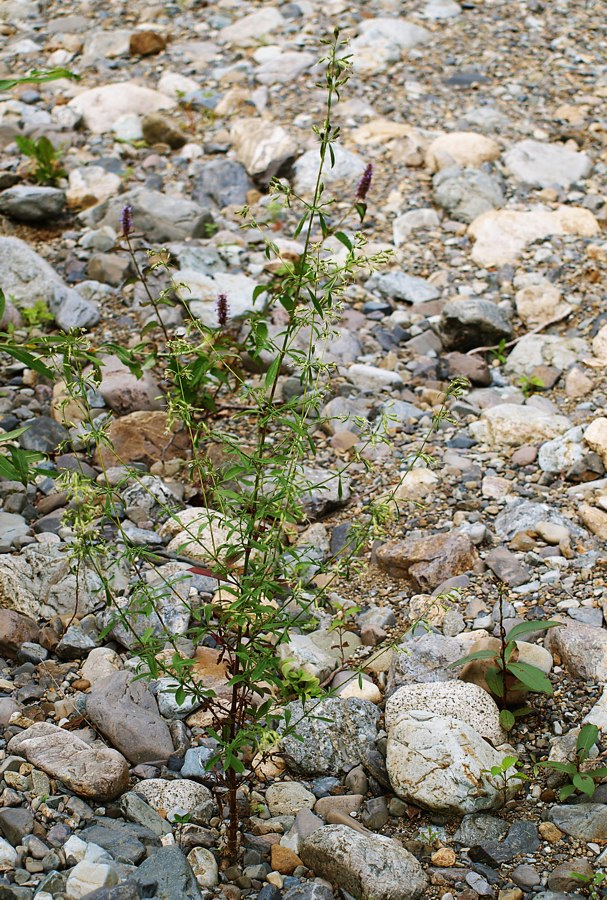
pixel 222 309
pixel 365 183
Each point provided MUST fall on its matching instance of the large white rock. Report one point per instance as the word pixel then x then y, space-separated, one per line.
pixel 261 146
pixel 439 763
pixel 509 425
pixel 501 235
pixel 100 107
pixel 467 702
pixel 247 30
pixel 535 350
pixel 165 795
pixel 91 184
pixel 546 165
pixel 348 169
pixel 382 40
pixel 461 148
pixel 369 866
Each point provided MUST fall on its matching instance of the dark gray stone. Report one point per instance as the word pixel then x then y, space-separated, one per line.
pixel 482 827
pixel 465 324
pixel 466 193
pixel 15 823
pixel 124 891
pixel 224 182
pixel 124 841
pixel 43 435
pixel 507 567
pixel 166 875
pixel 159 216
pixel 400 286
pixel 310 891
pixel 31 203
pixel 584 821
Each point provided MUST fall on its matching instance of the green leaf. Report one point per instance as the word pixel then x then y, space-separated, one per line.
pixel 495 681
pixel 507 720
pixel 344 239
pixel 529 627
pixel 479 654
pixel 566 791
pixel 598 773
pixel 272 372
pixel 23 356
pixel 587 738
pixel 531 677
pixel 584 783
pixel 2 303
pixel 37 77
pixel 568 768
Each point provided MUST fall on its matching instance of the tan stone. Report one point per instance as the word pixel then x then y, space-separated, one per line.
pixel 501 235
pixel 599 344
pixel 146 43
pixel 577 383
pixel 345 803
pixel 284 860
pixel 594 519
pixel 461 148
pixel 445 857
pixel 143 436
pixel 596 437
pixel 537 304
pixel 550 832
pixel 428 561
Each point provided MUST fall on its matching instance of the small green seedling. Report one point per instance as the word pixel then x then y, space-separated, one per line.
pixel 38 314
pixel 45 166
pixel 530 384
pixel 502 775
pixel 584 782
pixel 507 676
pixel 592 883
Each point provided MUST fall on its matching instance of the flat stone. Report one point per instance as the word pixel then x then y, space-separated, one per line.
pixel 31 203
pixel 505 565
pixel 546 165
pixel 400 286
pixel 144 436
pixel 99 774
pixel 125 712
pixel 466 193
pixel 160 217
pixel 286 798
pixel 583 821
pixel 427 562
pixel 500 236
pixel 100 107
pixel 367 866
pixel 124 841
pixel 508 425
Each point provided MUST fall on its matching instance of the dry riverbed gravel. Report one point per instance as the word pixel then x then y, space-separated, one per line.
pixel 485 124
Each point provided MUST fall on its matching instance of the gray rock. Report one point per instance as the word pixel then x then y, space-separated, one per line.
pixel 167 875
pixel 399 286
pixel 330 747
pixel 39 583
pixel 466 193
pixel 125 712
pixel 222 181
pixel 522 837
pixel 31 203
pixel 348 169
pixel 524 515
pixel 546 165
pixel 124 891
pixel 161 217
pixel 28 278
pixel 534 350
pixel 43 435
pixel 194 763
pixel 124 841
pixel 322 491
pixel 477 827
pixel 12 527
pixel 465 324
pixel 366 865
pixel 583 821
pixel 582 649
pixel 15 824
pixel 180 794
pixel 440 763
pixel 135 809
pixel 310 890
pixel 286 798
pixel 89 772
pixel 75 644
pixel 424 657
pixel 505 565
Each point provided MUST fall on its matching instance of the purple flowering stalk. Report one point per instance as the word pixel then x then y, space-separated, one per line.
pixel 365 183
pixel 223 309
pixel 126 220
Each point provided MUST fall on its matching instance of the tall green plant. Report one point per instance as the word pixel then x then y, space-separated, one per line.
pixel 253 500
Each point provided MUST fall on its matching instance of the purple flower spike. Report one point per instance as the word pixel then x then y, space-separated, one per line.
pixel 365 183
pixel 126 220
pixel 222 309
